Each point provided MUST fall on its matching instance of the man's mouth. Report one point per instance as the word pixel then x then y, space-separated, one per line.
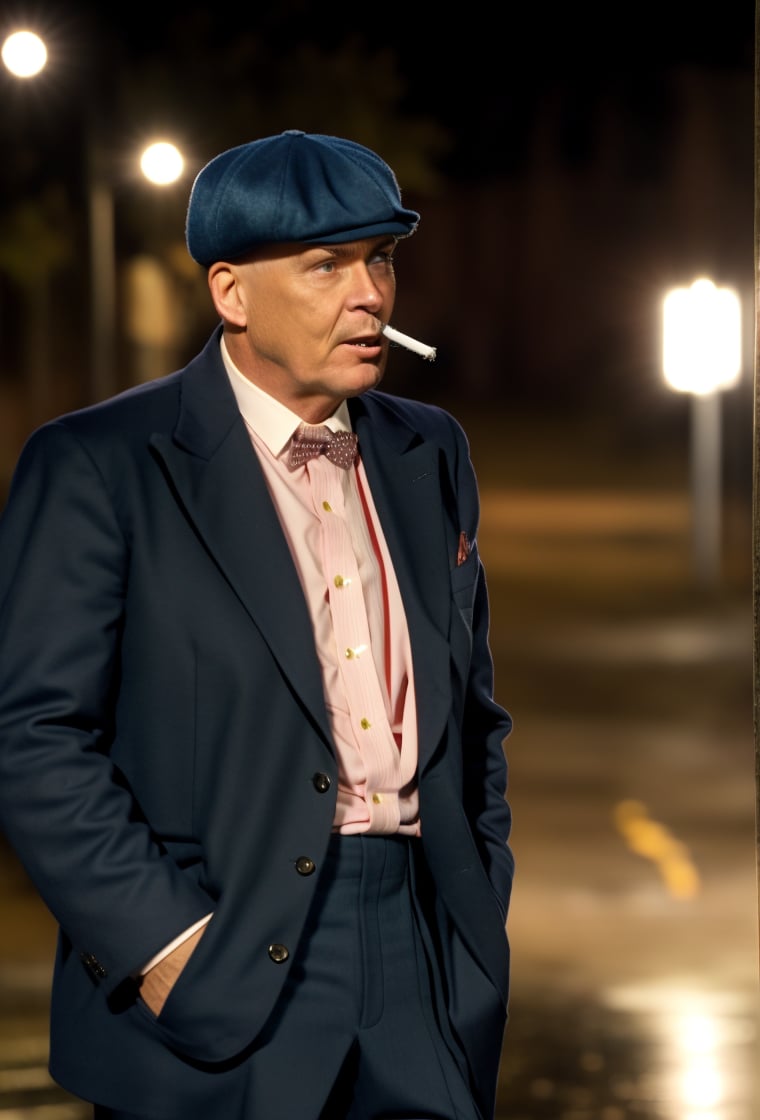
pixel 365 343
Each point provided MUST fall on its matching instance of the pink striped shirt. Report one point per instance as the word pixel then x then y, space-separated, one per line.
pixel 360 631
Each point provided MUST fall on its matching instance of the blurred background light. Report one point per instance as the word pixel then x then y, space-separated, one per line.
pixel 24 54
pixel 702 1086
pixel 701 338
pixel 162 163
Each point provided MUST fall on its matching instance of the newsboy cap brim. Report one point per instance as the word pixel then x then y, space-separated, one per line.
pixel 297 186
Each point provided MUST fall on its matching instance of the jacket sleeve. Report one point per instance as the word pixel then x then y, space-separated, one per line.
pixel 64 807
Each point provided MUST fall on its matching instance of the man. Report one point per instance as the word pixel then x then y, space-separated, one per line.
pixel 249 751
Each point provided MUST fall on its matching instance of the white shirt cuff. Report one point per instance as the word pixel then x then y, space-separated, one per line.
pixel 173 945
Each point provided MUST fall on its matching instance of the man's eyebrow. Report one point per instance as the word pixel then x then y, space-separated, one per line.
pixel 342 249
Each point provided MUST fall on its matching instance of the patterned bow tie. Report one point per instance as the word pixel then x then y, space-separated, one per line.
pixel 312 440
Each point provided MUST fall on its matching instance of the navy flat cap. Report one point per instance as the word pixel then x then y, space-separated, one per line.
pixel 297 186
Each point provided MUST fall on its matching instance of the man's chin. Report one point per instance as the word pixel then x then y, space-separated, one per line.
pixel 366 375
pixel 374 369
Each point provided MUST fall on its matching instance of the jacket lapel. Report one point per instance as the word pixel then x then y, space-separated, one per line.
pixel 403 472
pixel 217 479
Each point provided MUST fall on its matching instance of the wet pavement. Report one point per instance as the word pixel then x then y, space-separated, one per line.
pixel 634 917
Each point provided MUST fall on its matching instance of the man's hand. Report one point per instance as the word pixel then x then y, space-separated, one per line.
pixel 158 982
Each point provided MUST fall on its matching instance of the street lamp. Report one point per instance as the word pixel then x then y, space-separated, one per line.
pixel 24 54
pixel 161 163
pixel 702 356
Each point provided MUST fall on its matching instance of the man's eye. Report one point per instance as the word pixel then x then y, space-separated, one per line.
pixel 326 266
pixel 383 258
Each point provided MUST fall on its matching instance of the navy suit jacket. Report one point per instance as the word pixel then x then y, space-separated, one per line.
pixel 164 745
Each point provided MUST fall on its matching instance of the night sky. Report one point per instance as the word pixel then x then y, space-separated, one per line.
pixel 482 71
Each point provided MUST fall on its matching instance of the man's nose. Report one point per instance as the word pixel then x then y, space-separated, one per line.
pixel 365 291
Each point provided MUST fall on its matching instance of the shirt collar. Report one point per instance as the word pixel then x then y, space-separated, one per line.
pixel 270 420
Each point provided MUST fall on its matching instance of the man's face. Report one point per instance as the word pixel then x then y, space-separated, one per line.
pixel 308 330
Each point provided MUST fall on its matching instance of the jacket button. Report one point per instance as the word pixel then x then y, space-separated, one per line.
pixel 305 866
pixel 278 953
pixel 94 965
pixel 321 782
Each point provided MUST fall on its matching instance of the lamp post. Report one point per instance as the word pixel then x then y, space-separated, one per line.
pixel 102 256
pixel 161 163
pixel 24 55
pixel 702 356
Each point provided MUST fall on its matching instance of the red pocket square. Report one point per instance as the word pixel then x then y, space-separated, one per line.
pixel 464 548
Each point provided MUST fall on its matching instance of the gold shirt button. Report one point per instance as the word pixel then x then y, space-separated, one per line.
pixel 327 506
pixel 365 724
pixel 377 799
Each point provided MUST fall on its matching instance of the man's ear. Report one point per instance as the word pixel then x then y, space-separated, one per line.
pixel 223 285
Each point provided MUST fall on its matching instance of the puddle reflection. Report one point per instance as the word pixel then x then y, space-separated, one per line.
pixel 645 1054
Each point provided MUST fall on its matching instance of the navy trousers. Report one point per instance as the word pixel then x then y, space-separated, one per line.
pixel 360 1032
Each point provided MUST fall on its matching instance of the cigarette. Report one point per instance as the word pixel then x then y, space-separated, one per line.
pixel 427 352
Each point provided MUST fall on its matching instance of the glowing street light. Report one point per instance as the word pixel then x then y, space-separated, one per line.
pixel 702 338
pixel 702 356
pixel 24 54
pixel 161 163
